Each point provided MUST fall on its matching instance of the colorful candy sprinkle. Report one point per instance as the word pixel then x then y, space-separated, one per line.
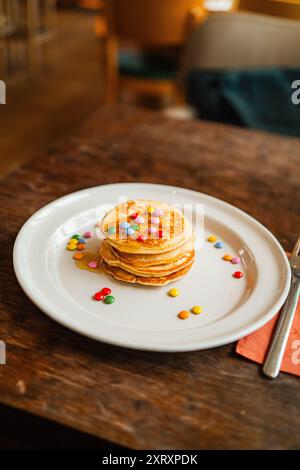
pixel 78 256
pixel 111 230
pixel 139 219
pixel 158 213
pixel 88 234
pixel 227 258
pixel 106 291
pixel 99 296
pixel 92 264
pixel 238 274
pixel 219 245
pixel 124 225
pixel 174 292
pixel 80 246
pixel 236 260
pixel 212 238
pixel 71 247
pixel 184 314
pixel 197 309
pixel 109 299
pixel 155 220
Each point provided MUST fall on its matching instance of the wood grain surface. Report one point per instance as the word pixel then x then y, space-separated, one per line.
pixel 203 400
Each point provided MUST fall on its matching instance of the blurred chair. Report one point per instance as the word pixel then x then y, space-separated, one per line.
pixel 243 40
pixel 158 28
pixel 282 8
pixel 40 27
pixel 29 25
pixel 240 67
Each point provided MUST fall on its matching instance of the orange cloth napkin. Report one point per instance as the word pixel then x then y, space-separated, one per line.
pixel 255 346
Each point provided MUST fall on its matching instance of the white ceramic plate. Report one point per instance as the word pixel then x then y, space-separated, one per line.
pixel 146 317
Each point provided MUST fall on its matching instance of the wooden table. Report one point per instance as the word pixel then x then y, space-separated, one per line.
pixel 207 399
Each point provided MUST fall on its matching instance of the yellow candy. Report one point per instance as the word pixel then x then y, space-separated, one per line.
pixel 174 292
pixel 197 309
pixel 150 209
pixel 71 247
pixel 227 257
pixel 183 315
pixel 73 241
pixel 212 238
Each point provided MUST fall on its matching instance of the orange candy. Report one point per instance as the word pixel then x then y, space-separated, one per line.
pixel 80 246
pixel 78 256
pixel 227 257
pixel 184 314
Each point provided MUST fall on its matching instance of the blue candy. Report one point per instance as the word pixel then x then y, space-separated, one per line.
pixel 130 231
pixel 124 225
pixel 81 240
pixel 219 245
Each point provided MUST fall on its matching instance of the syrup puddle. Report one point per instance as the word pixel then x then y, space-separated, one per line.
pixel 90 256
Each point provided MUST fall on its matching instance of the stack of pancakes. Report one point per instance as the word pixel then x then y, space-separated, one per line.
pixel 146 242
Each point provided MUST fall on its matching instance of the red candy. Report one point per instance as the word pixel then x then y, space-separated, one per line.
pixel 238 274
pixel 134 215
pixel 160 234
pixel 99 296
pixel 141 238
pixel 106 291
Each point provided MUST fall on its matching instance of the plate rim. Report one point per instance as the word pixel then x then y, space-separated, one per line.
pixel 36 299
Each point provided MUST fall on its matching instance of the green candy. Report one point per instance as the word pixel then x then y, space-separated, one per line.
pixel 109 299
pixel 76 236
pixel 111 230
pixel 135 227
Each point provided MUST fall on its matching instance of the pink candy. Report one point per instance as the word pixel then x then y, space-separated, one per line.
pixel 92 264
pixel 158 213
pixel 88 235
pixel 236 260
pixel 155 220
pixel 139 219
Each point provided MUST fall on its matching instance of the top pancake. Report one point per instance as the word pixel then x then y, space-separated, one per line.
pixel 172 231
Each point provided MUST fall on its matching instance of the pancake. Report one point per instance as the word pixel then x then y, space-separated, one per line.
pixel 122 275
pixel 107 254
pixel 170 229
pixel 144 260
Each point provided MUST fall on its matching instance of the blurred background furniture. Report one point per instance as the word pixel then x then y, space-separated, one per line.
pixel 28 30
pixel 282 8
pixel 154 33
pixel 240 67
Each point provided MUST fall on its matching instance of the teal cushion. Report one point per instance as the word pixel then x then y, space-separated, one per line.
pixel 259 98
pixel 138 64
